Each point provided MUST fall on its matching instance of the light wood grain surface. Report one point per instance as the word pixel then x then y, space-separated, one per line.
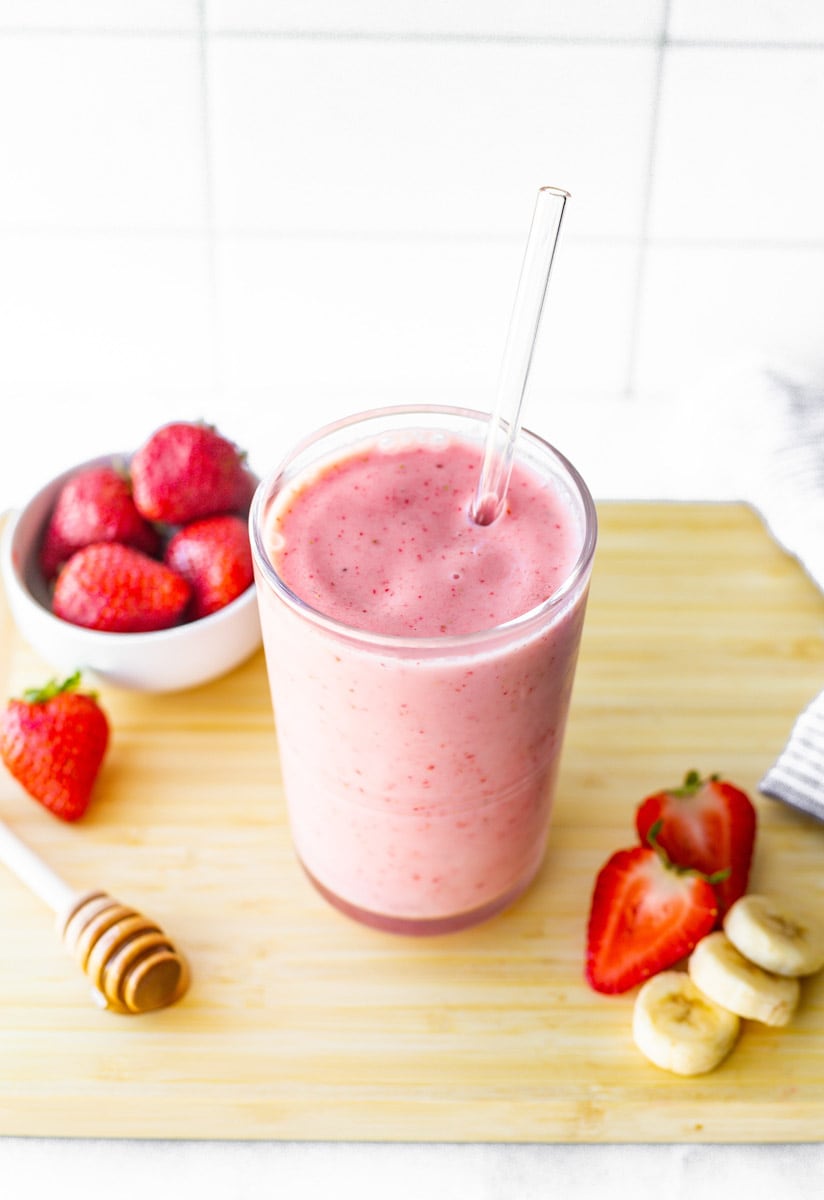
pixel 703 641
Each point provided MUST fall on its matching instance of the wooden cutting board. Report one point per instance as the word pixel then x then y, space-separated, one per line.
pixel 703 642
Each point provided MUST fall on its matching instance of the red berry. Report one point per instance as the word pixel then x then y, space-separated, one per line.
pixel 214 557
pixel 706 824
pixel 645 916
pixel 186 471
pixel 53 742
pixel 95 505
pixel 115 588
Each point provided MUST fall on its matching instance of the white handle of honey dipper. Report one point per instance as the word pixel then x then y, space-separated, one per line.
pixel 505 421
pixel 32 871
pixel 132 964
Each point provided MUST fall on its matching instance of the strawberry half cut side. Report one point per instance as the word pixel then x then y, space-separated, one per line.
pixel 646 915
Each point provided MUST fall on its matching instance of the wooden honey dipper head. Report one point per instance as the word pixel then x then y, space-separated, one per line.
pixel 129 959
pixel 132 964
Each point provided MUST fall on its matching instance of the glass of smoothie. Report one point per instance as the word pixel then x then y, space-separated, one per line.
pixel 420 664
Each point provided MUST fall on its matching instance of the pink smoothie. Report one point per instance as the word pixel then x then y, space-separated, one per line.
pixel 419 763
pixel 384 541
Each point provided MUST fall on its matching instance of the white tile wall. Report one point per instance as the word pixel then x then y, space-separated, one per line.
pixel 288 317
pixel 270 213
pixel 100 132
pixel 137 15
pixel 441 137
pixel 589 19
pixel 104 311
pixel 705 306
pixel 739 134
pixel 779 22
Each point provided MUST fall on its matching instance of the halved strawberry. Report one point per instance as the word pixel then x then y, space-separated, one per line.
pixel 646 914
pixel 707 824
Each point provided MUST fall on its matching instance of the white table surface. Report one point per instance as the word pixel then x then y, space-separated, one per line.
pixel 84 1170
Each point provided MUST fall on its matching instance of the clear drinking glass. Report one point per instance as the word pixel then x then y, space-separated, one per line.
pixel 419 772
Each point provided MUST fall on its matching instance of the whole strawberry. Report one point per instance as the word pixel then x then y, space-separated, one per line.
pixel 214 557
pixel 707 824
pixel 186 471
pixel 53 741
pixel 115 588
pixel 95 505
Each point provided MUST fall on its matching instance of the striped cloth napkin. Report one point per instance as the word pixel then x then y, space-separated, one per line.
pixel 789 494
pixel 797 777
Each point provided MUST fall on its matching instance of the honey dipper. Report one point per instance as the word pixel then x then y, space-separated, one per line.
pixel 132 964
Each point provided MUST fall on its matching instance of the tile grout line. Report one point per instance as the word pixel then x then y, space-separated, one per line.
pixel 412 36
pixel 405 236
pixel 630 41
pixel 644 237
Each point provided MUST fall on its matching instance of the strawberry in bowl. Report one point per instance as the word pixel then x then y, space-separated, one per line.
pixel 85 571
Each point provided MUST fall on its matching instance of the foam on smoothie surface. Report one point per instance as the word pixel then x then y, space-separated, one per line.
pixel 383 540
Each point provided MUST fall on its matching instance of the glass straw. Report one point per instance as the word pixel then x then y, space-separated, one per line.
pixel 505 420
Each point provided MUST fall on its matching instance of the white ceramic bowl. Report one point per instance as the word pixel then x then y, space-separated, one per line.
pixel 164 661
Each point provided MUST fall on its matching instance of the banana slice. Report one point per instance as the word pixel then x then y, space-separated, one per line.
pixel 680 1029
pixel 778 936
pixel 731 980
